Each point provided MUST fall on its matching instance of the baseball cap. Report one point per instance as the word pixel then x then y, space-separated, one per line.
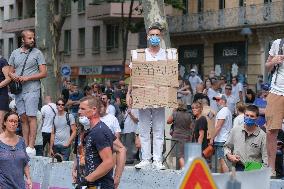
pixel 192 70
pixel 219 97
pixel 265 87
pixel 156 25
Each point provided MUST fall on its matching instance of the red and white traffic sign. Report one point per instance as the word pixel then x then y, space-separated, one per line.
pixel 198 176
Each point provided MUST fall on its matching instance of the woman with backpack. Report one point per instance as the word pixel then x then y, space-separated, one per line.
pixel 63 132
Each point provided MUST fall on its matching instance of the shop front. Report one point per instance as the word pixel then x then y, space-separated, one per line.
pixel 84 75
pixel 230 59
pixel 191 56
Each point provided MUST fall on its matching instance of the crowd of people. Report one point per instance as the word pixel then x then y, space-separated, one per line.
pixel 98 128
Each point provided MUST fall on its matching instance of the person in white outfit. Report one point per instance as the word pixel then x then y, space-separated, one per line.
pixel 48 111
pixel 110 108
pixel 154 117
pixel 194 80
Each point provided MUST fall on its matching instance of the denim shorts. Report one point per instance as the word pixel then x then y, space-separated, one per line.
pixel 219 149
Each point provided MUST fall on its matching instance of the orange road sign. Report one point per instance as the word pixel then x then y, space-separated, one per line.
pixel 198 176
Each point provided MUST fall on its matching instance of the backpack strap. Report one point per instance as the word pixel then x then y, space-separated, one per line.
pixel 53 117
pixel 280 52
pixel 68 119
pixel 52 109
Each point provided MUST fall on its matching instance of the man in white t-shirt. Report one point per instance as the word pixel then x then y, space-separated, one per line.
pixel 110 120
pixel 223 126
pixel 128 133
pixel 194 80
pixel 48 112
pixel 274 112
pixel 110 108
pixel 211 93
pixel 237 89
pixel 154 117
pixel 231 100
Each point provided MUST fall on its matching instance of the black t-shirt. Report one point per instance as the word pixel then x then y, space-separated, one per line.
pixel 3 63
pixel 65 94
pixel 98 138
pixel 201 124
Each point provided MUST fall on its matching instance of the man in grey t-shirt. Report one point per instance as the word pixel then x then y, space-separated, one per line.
pixel 27 101
pixel 63 132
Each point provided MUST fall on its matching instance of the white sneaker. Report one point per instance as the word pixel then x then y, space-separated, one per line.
pixel 158 165
pixel 31 151
pixel 143 164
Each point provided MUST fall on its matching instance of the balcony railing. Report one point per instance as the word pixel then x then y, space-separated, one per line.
pixel 105 10
pixel 18 24
pixel 253 15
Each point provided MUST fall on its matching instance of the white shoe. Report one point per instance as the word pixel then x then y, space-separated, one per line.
pixel 158 165
pixel 143 164
pixel 31 151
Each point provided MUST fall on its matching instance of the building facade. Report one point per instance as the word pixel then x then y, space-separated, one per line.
pixel 228 36
pixel 7 40
pixel 91 38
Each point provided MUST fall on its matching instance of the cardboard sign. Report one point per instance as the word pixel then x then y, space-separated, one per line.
pixel 160 73
pixel 198 176
pixel 154 83
pixel 154 97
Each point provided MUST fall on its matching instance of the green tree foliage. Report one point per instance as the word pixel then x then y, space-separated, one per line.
pixel 178 4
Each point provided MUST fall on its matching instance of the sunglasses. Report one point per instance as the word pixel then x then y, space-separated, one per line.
pixel 228 88
pixel 60 104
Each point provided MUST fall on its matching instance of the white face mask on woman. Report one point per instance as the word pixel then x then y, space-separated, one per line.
pixel 85 122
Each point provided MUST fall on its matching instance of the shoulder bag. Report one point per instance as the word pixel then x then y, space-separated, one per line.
pixel 16 86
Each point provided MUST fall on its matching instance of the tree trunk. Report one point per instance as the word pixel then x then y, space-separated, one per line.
pixel 154 12
pixel 44 43
pixel 48 32
pixel 125 33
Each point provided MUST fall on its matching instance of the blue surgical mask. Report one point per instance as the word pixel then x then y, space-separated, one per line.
pixel 154 41
pixel 249 121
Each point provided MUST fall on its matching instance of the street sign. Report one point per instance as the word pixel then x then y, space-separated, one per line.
pixel 65 70
pixel 198 176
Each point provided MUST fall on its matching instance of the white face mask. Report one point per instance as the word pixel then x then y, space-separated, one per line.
pixel 85 122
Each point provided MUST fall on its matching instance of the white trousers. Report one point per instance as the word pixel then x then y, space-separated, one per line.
pixel 154 117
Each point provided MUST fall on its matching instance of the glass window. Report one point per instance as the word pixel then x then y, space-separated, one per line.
pixel 96 39
pixel 267 1
pixel 241 3
pixel 67 42
pixel 1 14
pixel 112 37
pixel 11 46
pixel 185 4
pixel 67 7
pixel 81 6
pixel 81 42
pixel 1 47
pixel 56 6
pixel 200 6
pixel 221 4
pixel 11 12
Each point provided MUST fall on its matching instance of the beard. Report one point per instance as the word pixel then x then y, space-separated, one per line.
pixel 28 45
